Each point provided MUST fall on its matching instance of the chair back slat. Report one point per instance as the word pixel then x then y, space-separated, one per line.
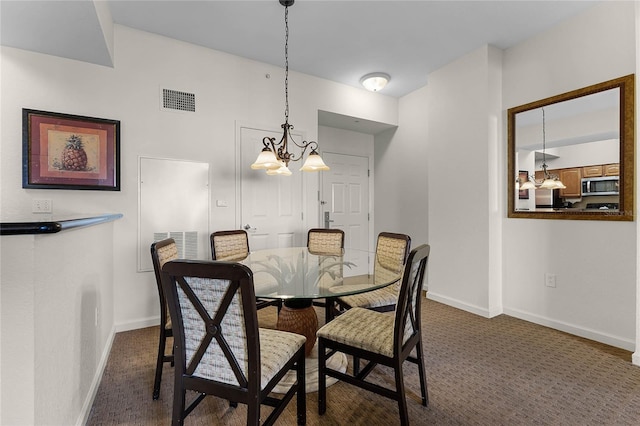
pixel 229 245
pixel 407 321
pixel 216 309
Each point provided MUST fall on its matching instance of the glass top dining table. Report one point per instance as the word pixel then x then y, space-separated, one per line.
pixel 295 273
pixel 297 276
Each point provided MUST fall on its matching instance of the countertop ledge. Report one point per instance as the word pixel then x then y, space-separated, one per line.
pixel 50 226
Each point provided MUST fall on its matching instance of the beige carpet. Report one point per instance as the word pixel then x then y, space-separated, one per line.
pixel 499 371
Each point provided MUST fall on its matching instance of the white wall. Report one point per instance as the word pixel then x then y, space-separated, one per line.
pixel 464 168
pixel 401 172
pixel 229 90
pixel 482 261
pixel 595 262
pixel 54 287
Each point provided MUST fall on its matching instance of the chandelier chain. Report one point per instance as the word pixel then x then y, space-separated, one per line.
pixel 275 156
pixel 544 147
pixel 286 64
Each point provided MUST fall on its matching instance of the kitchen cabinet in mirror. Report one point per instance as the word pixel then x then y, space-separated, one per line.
pixel 586 140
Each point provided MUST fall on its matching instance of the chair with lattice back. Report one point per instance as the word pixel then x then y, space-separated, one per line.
pixel 380 338
pixel 219 348
pixel 233 245
pixel 162 252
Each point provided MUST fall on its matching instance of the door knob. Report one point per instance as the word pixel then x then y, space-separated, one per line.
pixel 248 227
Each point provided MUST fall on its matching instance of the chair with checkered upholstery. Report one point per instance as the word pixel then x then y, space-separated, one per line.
pixel 233 246
pixel 379 338
pixel 162 252
pixel 329 242
pixel 229 245
pixel 391 254
pixel 219 348
pixel 325 241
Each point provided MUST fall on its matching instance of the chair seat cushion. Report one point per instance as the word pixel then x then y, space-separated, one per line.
pixel 384 296
pixel 362 328
pixel 276 349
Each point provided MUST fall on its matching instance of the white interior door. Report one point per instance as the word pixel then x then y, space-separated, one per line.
pixel 345 200
pixel 271 206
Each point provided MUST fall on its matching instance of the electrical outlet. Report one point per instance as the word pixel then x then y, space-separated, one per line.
pixel 41 206
pixel 550 279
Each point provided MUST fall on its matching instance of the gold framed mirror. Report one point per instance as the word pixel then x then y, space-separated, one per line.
pixel 571 156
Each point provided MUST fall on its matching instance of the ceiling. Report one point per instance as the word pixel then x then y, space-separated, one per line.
pixel 332 39
pixel 336 40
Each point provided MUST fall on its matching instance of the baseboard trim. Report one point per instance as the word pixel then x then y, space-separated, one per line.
pixel 93 390
pixel 483 312
pixel 607 339
pixel 137 324
pixel 97 378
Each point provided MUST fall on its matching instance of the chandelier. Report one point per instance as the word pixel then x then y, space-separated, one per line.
pixel 275 157
pixel 549 181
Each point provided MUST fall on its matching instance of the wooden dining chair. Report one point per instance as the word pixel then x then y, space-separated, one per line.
pixel 330 242
pixel 233 245
pixel 219 348
pixel 392 250
pixel 162 252
pixel 325 241
pixel 379 338
pixel 230 245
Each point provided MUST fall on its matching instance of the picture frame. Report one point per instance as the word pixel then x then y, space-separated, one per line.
pixel 64 151
pixel 523 175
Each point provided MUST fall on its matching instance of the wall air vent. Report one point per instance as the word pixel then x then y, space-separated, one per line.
pixel 175 100
pixel 186 242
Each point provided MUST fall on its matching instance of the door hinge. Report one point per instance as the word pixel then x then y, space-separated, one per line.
pixel 368 173
pixel 301 215
pixel 368 216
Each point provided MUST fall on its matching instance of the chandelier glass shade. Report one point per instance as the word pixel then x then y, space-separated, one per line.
pixel 275 157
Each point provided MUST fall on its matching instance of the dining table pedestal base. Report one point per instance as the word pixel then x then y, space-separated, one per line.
pixel 298 316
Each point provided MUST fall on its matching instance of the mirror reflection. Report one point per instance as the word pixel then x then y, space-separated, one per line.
pixel 571 156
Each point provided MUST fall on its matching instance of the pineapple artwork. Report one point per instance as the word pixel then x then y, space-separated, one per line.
pixel 74 157
pixel 73 152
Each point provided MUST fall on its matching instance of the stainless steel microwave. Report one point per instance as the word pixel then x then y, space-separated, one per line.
pixel 609 185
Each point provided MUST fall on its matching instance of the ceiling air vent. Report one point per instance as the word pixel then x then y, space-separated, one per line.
pixel 178 101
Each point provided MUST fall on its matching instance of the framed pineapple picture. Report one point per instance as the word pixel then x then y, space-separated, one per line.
pixel 63 151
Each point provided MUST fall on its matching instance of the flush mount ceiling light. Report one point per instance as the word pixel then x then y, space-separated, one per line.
pixel 549 181
pixel 276 160
pixel 375 81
